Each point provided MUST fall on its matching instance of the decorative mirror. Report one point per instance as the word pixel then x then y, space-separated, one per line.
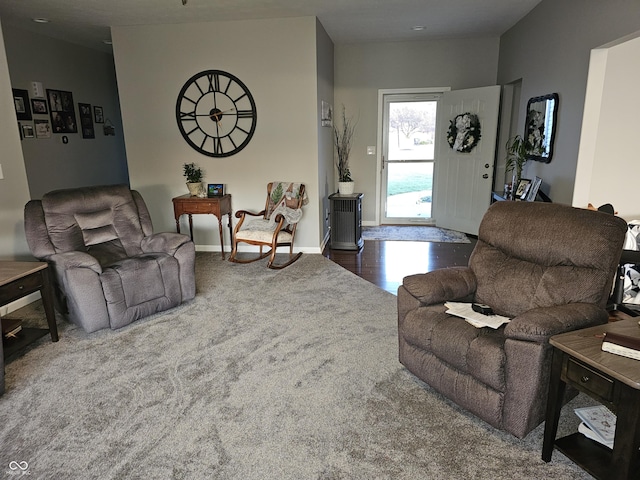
pixel 541 127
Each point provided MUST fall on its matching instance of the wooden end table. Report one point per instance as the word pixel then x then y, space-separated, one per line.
pixel 218 206
pixel 612 380
pixel 17 280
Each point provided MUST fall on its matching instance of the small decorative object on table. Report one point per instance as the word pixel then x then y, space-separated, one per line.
pixel 194 175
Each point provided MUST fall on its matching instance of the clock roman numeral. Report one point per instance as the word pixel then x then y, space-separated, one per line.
pixel 187 116
pixel 193 130
pixel 217 146
pixel 245 113
pixel 214 82
pixel 241 96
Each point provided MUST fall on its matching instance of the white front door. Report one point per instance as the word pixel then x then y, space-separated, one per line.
pixel 463 180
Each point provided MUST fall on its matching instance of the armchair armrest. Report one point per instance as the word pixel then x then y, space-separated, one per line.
pixel 69 260
pixel 441 285
pixel 242 213
pixel 538 324
pixel 166 242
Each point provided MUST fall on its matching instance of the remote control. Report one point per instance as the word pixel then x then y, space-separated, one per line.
pixel 481 308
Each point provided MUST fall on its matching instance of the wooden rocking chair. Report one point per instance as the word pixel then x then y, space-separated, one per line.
pixel 277 225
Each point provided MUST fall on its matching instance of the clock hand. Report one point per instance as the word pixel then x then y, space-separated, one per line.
pixel 211 115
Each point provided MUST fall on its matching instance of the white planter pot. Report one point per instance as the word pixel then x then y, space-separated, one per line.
pixel 346 188
pixel 195 189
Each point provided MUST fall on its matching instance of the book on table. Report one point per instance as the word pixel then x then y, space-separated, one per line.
pixel 600 422
pixel 10 327
pixel 623 345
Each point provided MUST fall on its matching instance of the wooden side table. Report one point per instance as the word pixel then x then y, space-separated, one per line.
pixel 17 280
pixel 612 380
pixel 218 206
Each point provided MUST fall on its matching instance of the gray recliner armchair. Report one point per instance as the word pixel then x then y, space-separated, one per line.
pixel 549 268
pixel 110 268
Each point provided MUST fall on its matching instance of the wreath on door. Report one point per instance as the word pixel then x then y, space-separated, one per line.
pixel 464 132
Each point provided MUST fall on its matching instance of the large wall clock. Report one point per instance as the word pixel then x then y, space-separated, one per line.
pixel 216 113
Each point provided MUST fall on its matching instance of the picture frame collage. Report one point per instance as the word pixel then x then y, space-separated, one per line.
pixel 41 116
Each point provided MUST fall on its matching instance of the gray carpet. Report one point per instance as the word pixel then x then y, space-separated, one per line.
pixel 288 374
pixel 422 233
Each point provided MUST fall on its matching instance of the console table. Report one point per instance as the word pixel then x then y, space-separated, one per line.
pixel 17 280
pixel 612 380
pixel 218 206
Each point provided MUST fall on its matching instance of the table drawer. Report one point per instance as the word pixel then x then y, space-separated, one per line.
pixel 590 380
pixel 19 288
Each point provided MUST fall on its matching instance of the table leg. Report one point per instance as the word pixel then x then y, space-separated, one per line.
pixel 230 229
pixel 191 226
pixel 47 302
pixel 554 405
pixel 221 235
pixel 627 439
pixel 178 224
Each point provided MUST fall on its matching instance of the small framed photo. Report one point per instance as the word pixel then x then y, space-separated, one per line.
pixel 27 130
pixel 533 191
pixel 43 128
pixel 523 189
pixel 39 106
pixel 215 189
pixel 98 114
pixel 21 103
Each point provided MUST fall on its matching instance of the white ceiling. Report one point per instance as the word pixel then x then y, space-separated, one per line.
pixel 87 22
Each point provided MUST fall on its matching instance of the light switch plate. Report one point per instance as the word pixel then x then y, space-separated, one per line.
pixel 371 150
pixel 1 174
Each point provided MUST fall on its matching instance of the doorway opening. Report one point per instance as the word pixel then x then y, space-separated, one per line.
pixel 408 157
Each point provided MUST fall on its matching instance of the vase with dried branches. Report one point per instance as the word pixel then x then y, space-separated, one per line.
pixel 343 140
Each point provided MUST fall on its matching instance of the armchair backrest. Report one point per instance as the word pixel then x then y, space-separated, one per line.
pixel 534 254
pixel 291 195
pixel 107 221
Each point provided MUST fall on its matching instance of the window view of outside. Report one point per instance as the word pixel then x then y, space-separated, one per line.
pixel 412 127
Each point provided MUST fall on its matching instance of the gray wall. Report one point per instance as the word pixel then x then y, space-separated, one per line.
pixel 90 76
pixel 278 61
pixel 361 70
pixel 549 50
pixel 14 191
pixel 325 55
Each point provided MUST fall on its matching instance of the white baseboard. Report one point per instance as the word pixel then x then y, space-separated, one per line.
pixel 253 248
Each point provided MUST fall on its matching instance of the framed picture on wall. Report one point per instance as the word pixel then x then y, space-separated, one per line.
pixel 86 120
pixel 98 114
pixel 62 111
pixel 27 130
pixel 39 106
pixel 21 103
pixel 43 128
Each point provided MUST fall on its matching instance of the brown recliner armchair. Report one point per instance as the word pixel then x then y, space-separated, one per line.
pixel 110 268
pixel 548 267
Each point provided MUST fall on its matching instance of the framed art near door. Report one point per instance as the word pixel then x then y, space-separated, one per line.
pixel 542 113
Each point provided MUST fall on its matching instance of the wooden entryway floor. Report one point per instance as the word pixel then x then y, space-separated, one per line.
pixel 386 263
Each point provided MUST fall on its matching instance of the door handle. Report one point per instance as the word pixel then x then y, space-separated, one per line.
pixel 486 175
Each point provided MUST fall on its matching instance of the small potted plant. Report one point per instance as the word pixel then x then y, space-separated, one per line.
pixel 516 159
pixel 343 140
pixel 194 175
